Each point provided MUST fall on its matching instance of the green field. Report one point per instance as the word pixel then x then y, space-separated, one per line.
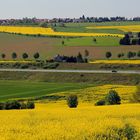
pixel 24 89
pixel 48 47
pixel 88 41
pixel 81 27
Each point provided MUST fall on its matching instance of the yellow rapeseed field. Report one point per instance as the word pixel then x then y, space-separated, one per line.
pixel 16 61
pixel 58 122
pixel 126 28
pixel 50 32
pixel 115 62
pixel 93 94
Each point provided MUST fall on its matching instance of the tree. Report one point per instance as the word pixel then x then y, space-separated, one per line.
pixel 134 41
pixel 3 56
pixel 120 55
pixel 125 40
pixel 72 101
pixel 131 54
pixel 30 105
pixel 139 41
pixel 94 40
pixel 24 55
pixel 44 24
pixel 112 98
pixel 63 42
pixel 138 54
pixel 36 55
pixel 14 55
pixel 139 35
pixel 12 105
pixel 108 55
pixel 80 58
pixel 86 55
pixel 134 54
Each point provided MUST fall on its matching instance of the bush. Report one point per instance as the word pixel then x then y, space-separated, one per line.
pixel 127 132
pixel 51 66
pixel 14 55
pixel 30 105
pixel 23 106
pixel 108 55
pixel 100 102
pixel 12 105
pixel 2 106
pixel 72 101
pixel 138 54
pixel 24 55
pixel 36 55
pixel 112 98
pixel 24 66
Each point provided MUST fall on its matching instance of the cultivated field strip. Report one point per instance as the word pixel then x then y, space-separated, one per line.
pixel 50 32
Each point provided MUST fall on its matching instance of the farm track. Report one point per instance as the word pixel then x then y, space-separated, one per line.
pixel 73 71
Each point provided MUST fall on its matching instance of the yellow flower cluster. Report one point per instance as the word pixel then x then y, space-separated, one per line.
pixel 115 62
pixel 16 61
pixel 95 93
pixel 58 122
pixel 127 28
pixel 50 32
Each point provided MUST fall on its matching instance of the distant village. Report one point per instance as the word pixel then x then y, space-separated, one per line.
pixel 35 21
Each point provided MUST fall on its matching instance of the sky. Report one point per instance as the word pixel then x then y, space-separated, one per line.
pixel 68 8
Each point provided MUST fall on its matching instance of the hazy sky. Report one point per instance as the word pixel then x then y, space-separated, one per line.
pixel 68 8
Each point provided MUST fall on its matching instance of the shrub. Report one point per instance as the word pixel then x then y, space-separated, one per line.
pixel 108 55
pixel 128 132
pixel 80 58
pixel 24 55
pixel 24 66
pixel 120 55
pixel 2 106
pixel 100 102
pixel 12 105
pixel 36 55
pixel 131 54
pixel 23 106
pixel 30 105
pixel 72 101
pixel 14 55
pixel 138 54
pixel 112 98
pixel 51 65
pixel 3 55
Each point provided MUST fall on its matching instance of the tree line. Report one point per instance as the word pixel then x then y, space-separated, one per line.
pixel 130 39
pixel 36 21
pixel 24 55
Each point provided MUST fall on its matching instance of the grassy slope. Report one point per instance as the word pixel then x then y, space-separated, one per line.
pixel 24 89
pixel 98 79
